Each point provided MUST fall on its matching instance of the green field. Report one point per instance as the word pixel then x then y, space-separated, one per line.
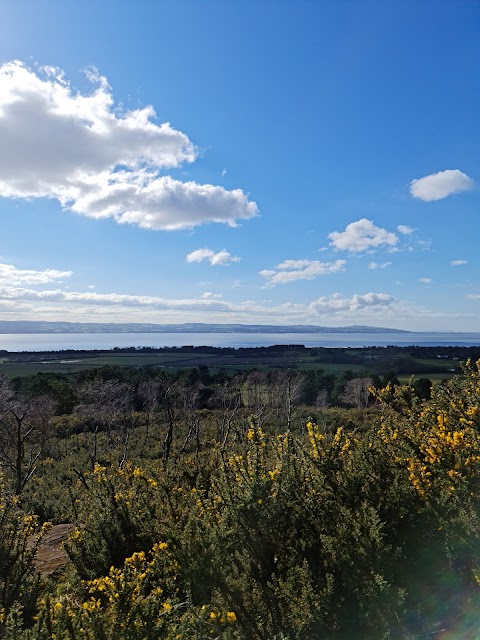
pixel 334 361
pixel 436 378
pixel 82 362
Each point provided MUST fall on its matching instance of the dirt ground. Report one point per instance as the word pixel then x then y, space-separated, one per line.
pixel 51 555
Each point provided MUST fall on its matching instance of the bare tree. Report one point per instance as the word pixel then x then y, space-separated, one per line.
pixel 149 394
pixel 191 416
pixel 357 392
pixel 289 389
pixel 169 404
pixel 322 399
pixel 228 399
pixel 152 395
pixel 108 405
pixel 256 395
pixel 43 408
pixel 23 433
pixel 162 397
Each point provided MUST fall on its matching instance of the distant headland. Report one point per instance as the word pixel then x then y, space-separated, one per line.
pixel 38 326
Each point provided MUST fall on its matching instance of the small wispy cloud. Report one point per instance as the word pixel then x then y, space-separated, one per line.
pixel 221 258
pixel 424 244
pixel 108 299
pixel 458 263
pixel 293 270
pixel 405 229
pixel 10 275
pixel 425 280
pixel 441 185
pixel 376 265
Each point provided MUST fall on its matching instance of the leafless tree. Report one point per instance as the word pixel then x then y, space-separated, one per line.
pixel 108 405
pixel 190 398
pixel 256 396
pixel 162 399
pixel 322 399
pixel 228 400
pixel 289 387
pixel 168 398
pixel 23 433
pixel 43 408
pixel 357 392
pixel 151 394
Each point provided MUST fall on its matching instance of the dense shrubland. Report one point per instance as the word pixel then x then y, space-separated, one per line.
pixel 226 508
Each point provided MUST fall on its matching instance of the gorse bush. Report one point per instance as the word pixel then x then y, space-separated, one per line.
pixel 19 580
pixel 331 534
pixel 119 513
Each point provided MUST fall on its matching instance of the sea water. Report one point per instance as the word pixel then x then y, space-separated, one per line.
pixel 103 341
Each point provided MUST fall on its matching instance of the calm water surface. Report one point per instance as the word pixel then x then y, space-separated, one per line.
pixel 60 341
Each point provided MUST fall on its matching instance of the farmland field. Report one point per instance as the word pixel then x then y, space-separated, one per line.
pixel 330 360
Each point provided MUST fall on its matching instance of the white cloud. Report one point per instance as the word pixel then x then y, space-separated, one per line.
pixel 405 229
pixel 10 275
pixel 362 236
pixel 376 265
pixel 440 185
pixel 222 257
pixel 113 307
pixel 27 303
pixel 110 299
pixel 57 304
pixel 10 306
pixel 296 264
pixel 79 149
pixel 336 304
pixel 292 306
pixel 424 244
pixel 457 263
pixel 292 270
pixel 425 280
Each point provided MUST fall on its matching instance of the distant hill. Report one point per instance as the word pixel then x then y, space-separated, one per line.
pixel 33 326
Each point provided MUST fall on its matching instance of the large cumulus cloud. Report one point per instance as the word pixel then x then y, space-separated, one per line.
pixel 98 161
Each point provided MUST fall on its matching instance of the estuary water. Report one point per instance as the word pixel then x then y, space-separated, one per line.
pixel 90 341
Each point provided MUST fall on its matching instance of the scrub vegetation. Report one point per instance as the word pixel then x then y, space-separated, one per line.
pixel 282 504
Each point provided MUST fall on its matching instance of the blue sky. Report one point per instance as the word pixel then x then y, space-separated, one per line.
pixel 256 162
